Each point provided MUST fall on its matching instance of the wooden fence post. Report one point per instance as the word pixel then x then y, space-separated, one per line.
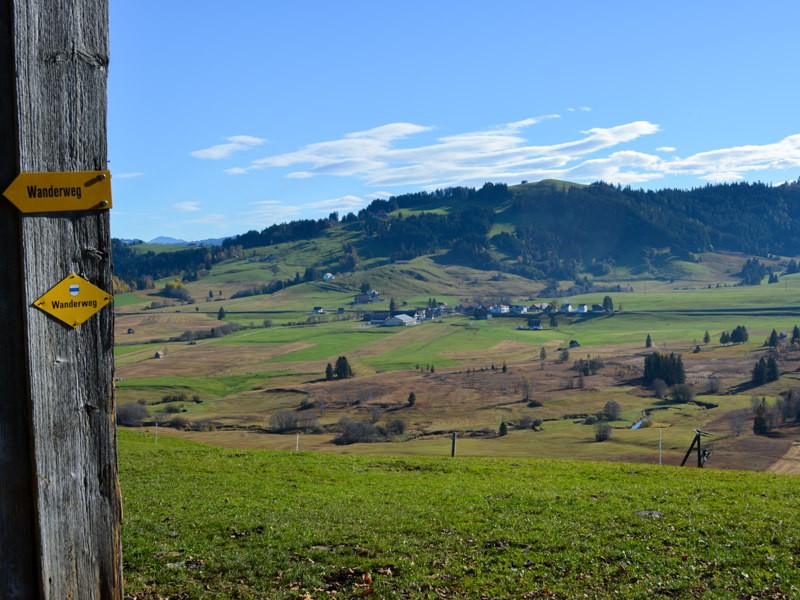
pixel 60 506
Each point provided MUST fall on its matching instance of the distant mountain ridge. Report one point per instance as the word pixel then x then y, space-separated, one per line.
pixel 168 240
pixel 178 242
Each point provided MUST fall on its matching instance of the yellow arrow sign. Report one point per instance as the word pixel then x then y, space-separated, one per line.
pixel 73 300
pixel 59 192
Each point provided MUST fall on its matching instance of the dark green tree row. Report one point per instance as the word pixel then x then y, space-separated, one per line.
pixel 764 371
pixel 292 231
pixel 739 335
pixel 140 269
pixel 666 367
pixel 753 272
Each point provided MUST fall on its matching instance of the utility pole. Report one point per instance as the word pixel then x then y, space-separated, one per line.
pixel 703 454
pixel 60 508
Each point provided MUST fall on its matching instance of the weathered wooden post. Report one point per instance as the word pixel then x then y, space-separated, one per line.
pixel 453 446
pixel 59 492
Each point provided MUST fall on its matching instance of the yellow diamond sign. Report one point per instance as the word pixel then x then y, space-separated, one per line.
pixel 73 300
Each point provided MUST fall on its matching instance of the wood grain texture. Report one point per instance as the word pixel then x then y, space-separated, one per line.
pixel 61 67
pixel 18 572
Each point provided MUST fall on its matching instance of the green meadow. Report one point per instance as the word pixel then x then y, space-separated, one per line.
pixel 207 522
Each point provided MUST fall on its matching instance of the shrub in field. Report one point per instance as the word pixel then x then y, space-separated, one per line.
pixel 602 431
pixel 179 422
pixel 289 420
pixel 396 427
pixel 682 392
pixel 131 415
pixel 660 388
pixel 354 432
pixel 713 385
pixel 611 411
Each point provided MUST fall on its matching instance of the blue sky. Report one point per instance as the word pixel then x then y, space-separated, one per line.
pixel 227 117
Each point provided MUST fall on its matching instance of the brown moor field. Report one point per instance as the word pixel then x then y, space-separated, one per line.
pixel 468 377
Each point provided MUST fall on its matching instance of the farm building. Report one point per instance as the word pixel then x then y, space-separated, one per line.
pixel 399 321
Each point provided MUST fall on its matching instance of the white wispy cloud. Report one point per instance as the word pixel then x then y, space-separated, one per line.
pixel 345 204
pixel 271 211
pixel 507 152
pixel 186 206
pixel 235 143
pixel 218 221
pixel 373 156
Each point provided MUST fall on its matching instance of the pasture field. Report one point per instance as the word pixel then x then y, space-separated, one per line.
pixel 468 376
pixel 248 524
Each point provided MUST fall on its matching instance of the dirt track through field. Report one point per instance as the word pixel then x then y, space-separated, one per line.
pixel 789 464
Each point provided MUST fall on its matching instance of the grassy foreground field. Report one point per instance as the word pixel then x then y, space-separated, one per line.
pixel 208 522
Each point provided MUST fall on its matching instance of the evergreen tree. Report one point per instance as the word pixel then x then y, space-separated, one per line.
pixel 220 313
pixel 772 369
pixel 772 340
pixel 753 272
pixel 796 334
pixel 412 399
pixel 329 372
pixel 392 307
pixel 739 335
pixel 648 343
pixel 342 368
pixel 759 376
pixel 503 429
pixel 666 367
pixel 543 353
pixel 608 304
pixel 706 337
pixel 760 424
pixel 724 338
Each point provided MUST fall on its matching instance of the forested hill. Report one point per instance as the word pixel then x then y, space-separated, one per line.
pixel 549 229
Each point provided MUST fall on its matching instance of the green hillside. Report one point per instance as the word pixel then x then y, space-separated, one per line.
pixel 550 230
